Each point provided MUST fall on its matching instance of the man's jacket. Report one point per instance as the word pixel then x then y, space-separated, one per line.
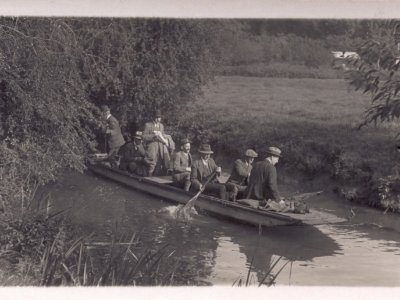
pixel 181 162
pixel 200 173
pixel 240 172
pixel 263 182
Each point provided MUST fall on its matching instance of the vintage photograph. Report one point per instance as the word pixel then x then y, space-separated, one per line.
pixel 199 152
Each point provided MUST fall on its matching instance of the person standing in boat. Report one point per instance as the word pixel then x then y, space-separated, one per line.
pixel 201 171
pixel 182 165
pixel 238 180
pixel 263 183
pixel 113 134
pixel 157 152
pixel 132 156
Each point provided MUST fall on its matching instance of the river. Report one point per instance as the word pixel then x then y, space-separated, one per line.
pixel 361 252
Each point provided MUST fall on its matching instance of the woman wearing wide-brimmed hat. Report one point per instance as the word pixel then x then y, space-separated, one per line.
pixel 263 177
pixel 202 169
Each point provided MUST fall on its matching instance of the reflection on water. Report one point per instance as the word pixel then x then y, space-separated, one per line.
pixel 218 252
pixel 362 261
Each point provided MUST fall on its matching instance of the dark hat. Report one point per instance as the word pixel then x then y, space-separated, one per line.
pixel 138 135
pixel 205 148
pixel 185 141
pixel 104 108
pixel 158 113
pixel 274 151
pixel 251 153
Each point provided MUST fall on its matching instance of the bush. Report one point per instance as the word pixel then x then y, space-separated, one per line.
pixel 55 72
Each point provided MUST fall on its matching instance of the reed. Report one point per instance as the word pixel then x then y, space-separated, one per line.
pixel 44 252
pixel 270 275
pixel 71 266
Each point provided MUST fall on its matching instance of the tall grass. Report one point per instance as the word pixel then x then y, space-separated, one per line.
pixel 50 254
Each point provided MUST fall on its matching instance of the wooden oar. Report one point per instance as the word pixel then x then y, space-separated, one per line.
pixel 188 206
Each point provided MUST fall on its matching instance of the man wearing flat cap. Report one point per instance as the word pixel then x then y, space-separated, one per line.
pixel 132 156
pixel 157 152
pixel 263 178
pixel 114 136
pixel 203 169
pixel 238 180
pixel 182 165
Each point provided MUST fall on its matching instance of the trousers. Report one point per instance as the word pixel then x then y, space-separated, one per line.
pixel 214 189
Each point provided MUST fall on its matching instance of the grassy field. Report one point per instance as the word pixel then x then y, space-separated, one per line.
pixel 315 122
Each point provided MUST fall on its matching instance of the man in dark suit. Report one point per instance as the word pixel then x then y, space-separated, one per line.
pixel 202 169
pixel 132 156
pixel 263 178
pixel 238 180
pixel 113 134
pixel 157 144
pixel 182 165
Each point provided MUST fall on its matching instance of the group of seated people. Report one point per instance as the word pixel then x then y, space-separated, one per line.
pixel 153 150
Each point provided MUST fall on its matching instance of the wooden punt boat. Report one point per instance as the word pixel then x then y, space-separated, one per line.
pixel 161 187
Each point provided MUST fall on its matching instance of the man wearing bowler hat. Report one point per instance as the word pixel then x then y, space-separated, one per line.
pixel 132 156
pixel 182 165
pixel 263 178
pixel 238 180
pixel 157 144
pixel 202 169
pixel 113 134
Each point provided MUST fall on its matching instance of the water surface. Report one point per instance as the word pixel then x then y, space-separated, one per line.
pixel 362 252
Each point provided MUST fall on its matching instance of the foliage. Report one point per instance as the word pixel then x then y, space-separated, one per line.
pixel 388 190
pixel 376 72
pixel 138 65
pixel 45 119
pixel 74 265
pixel 44 252
pixel 27 237
pixel 56 72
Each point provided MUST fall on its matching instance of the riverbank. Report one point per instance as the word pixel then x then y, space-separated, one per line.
pixel 314 121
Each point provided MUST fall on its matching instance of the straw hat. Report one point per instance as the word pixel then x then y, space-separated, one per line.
pixel 138 135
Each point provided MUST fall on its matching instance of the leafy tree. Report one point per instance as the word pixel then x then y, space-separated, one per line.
pixel 55 72
pixel 138 65
pixel 376 72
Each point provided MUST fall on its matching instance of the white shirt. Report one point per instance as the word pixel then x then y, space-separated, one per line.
pixel 205 162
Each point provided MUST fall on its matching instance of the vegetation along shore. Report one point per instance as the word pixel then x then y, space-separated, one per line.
pixel 236 83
